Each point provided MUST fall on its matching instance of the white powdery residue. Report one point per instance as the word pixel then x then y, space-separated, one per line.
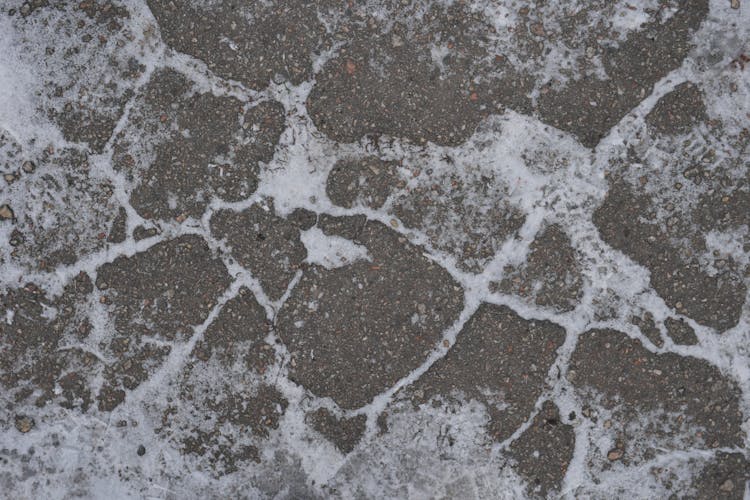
pixel 722 40
pixel 631 16
pixel 445 453
pixel 499 16
pixel 48 312
pixel 318 458
pixel 539 170
pixel 438 54
pixel 19 84
pixel 562 58
pixel 296 177
pixel 667 474
pixel 672 438
pixel 331 251
pixel 729 244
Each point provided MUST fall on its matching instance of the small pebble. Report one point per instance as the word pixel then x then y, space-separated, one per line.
pixel 141 450
pixel 24 424
pixel 6 213
pixel 727 486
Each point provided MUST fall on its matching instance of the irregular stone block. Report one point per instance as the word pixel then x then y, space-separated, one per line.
pixel 269 246
pixel 356 330
pixel 499 359
pixel 551 273
pixel 181 147
pixel 679 390
pixel 543 452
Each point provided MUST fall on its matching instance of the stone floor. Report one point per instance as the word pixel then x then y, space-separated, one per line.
pixel 374 249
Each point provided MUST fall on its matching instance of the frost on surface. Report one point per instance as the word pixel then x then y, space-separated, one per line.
pixel 374 249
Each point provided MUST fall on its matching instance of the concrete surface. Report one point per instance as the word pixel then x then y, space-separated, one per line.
pixel 374 249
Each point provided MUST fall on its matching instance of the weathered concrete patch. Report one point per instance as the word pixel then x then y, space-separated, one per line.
pixel 230 422
pixel 468 218
pixel 648 328
pixel 588 108
pixel 163 293
pixel 715 301
pixel 433 73
pixel 135 363
pixel 225 407
pixel 142 232
pixel 728 207
pixel 723 477
pixel 65 212
pixel 344 433
pixel 72 39
pixel 543 452
pixel 680 332
pixel 692 400
pixel 354 331
pixel 164 290
pixel 118 229
pixel 269 246
pixel 366 181
pixel 552 273
pixel 430 452
pixel 34 357
pixel 678 111
pixel 500 360
pixel 250 43
pixel 182 147
pixel 389 80
pixel 238 333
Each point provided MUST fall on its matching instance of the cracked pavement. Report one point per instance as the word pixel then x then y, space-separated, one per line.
pixel 375 249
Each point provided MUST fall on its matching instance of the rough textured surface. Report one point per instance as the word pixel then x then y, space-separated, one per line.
pixel 374 249
pixel 715 301
pixel 86 104
pixel 724 477
pixel 367 314
pixel 162 293
pixel 544 450
pixel 680 332
pixel 551 274
pixel 345 433
pixel 648 328
pixel 44 238
pixel 499 359
pixel 678 111
pixel 281 37
pixel 216 415
pixel 238 333
pixel 675 387
pixel 589 108
pixel 445 208
pixel 267 245
pixel 384 82
pixel 367 181
pixel 36 354
pixel 200 146
pixel 163 290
